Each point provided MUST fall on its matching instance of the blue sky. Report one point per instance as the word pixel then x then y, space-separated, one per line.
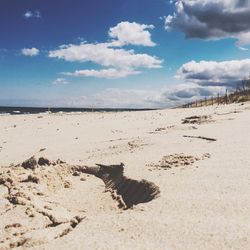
pixel 117 53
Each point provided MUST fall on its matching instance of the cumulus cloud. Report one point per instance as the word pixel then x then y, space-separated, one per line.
pixel 110 73
pixel 120 62
pixel 104 55
pixel 213 19
pixel 127 33
pixel 117 62
pixel 212 73
pixel 32 14
pixel 59 81
pixel 30 51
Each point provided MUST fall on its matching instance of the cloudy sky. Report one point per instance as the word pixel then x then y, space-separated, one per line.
pixel 121 53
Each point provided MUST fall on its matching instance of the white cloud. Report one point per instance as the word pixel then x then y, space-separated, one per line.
pixel 126 33
pixel 212 73
pixel 118 62
pixel 32 14
pixel 243 38
pixel 242 48
pixel 30 51
pixel 171 96
pixel 59 81
pixel 211 20
pixel 104 55
pixel 110 73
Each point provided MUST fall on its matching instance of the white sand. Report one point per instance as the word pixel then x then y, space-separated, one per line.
pixel 204 205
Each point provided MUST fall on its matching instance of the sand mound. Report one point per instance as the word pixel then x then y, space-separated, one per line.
pixel 31 215
pixel 25 192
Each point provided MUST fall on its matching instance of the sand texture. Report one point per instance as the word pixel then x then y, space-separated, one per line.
pixel 166 179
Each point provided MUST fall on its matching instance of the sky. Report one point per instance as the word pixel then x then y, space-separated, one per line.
pixel 121 53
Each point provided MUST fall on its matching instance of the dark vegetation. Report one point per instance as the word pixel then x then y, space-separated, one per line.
pixel 241 94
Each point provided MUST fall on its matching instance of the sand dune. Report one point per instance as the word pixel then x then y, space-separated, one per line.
pixel 128 180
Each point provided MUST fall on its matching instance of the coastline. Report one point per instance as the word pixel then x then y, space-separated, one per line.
pixel 9 110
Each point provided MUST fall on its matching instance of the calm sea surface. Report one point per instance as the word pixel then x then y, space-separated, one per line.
pixel 36 110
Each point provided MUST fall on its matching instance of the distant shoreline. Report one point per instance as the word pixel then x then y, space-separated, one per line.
pixel 8 110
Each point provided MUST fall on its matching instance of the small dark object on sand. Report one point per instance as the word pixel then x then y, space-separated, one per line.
pixel 31 163
pixel 197 119
pixel 200 137
pixel 43 161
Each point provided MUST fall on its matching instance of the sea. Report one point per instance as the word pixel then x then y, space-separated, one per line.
pixel 38 110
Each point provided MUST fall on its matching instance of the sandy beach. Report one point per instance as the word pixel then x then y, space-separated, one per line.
pixel 189 167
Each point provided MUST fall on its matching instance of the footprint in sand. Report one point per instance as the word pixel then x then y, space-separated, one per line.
pixel 128 145
pixel 176 160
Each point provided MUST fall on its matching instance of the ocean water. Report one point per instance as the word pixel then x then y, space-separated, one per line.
pixel 38 110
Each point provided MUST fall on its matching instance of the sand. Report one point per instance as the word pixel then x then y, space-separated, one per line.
pixel 167 179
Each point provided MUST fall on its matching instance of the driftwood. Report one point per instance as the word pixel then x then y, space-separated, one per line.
pixel 200 137
pixel 228 113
